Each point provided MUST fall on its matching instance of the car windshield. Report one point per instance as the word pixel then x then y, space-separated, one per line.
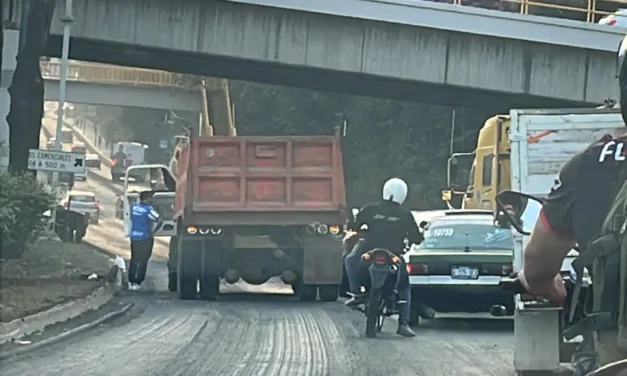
pixel 466 236
pixel 82 198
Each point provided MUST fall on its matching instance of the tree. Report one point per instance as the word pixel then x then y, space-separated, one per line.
pixel 27 87
pixel 384 138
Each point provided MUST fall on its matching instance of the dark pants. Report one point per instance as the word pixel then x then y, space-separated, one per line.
pixel 355 273
pixel 141 250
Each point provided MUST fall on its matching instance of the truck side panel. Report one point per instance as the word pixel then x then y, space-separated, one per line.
pixel 543 141
pixel 251 174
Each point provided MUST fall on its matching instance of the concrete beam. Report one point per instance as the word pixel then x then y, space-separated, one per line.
pixel 301 40
pixel 125 96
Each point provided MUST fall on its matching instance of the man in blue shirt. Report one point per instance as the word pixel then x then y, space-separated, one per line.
pixel 145 222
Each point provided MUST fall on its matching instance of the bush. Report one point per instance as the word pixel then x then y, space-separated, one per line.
pixel 23 201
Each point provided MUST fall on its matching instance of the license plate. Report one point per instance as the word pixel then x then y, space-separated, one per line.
pixel 464 272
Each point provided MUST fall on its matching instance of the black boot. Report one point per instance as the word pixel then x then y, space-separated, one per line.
pixel 404 330
pixel 355 300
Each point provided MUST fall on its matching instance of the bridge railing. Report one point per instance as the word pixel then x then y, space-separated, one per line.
pixel 590 11
pixel 116 75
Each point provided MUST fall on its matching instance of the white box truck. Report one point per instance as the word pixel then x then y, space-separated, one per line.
pixel 557 136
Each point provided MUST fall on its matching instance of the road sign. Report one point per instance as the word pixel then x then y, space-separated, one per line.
pixel 54 160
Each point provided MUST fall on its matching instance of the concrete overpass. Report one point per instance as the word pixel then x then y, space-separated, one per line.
pixel 319 44
pixel 100 84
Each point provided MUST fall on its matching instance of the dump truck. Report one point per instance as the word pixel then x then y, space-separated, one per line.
pixel 254 208
pixel 542 141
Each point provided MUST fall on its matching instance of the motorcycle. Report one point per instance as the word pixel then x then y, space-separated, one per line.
pixel 383 267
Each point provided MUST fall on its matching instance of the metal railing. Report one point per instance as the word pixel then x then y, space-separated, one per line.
pixel 590 11
pixel 116 75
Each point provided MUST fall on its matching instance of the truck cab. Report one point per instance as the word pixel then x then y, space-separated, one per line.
pixel 475 178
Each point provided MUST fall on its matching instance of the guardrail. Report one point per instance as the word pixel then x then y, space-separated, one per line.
pixel 116 75
pixel 590 11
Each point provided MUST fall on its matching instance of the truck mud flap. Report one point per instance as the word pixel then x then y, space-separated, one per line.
pixel 322 260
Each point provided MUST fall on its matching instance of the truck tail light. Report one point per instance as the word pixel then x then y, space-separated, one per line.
pixel 417 268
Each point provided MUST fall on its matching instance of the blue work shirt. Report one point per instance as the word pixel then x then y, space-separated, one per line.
pixel 142 217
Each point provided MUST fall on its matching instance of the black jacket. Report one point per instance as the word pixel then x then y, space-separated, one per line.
pixel 389 224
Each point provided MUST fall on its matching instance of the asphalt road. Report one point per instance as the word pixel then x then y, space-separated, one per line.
pixel 261 331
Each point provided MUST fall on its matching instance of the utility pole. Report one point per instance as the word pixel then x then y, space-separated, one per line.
pixel 67 20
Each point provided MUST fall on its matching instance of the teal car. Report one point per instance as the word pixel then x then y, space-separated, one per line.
pixel 460 264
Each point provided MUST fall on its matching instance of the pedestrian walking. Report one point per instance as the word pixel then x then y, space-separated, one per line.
pixel 145 222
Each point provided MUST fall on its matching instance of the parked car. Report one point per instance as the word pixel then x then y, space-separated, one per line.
pixel 84 203
pixel 618 18
pixel 459 266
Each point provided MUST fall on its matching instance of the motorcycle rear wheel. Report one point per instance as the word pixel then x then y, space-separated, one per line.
pixel 373 313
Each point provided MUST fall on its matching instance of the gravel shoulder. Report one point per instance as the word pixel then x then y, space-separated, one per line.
pixel 49 273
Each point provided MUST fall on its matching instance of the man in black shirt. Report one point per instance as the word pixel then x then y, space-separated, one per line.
pixel 119 156
pixel 386 225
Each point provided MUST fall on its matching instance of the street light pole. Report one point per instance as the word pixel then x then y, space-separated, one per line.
pixel 67 20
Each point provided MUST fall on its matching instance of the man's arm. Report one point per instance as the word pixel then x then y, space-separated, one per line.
pixel 413 230
pixel 553 235
pixel 360 219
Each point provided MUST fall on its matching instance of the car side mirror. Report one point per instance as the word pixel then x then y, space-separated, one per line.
pixel 517 210
pixel 423 224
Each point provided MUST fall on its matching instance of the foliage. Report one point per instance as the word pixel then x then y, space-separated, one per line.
pixel 383 138
pixel 23 200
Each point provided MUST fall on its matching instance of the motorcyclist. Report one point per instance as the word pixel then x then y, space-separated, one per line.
pixel 575 212
pixel 387 225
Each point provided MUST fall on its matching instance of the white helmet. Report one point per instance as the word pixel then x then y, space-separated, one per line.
pixel 395 190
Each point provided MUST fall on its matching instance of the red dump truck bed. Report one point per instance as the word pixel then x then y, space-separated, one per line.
pixel 261 180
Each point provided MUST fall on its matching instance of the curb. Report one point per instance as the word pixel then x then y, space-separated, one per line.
pixel 80 329
pixel 24 326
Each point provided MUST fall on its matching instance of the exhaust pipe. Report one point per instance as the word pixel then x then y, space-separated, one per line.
pixel 231 276
pixel 498 310
pixel 288 277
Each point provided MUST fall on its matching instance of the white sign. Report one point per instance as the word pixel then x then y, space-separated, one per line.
pixel 54 160
pixel 163 144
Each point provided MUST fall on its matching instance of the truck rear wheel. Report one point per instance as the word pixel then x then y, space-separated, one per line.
pixel 328 293
pixel 308 293
pixel 188 269
pixel 209 287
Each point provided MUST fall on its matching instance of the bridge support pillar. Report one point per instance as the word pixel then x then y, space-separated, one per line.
pixel 9 62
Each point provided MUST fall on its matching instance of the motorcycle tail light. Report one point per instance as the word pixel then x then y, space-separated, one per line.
pixel 379 259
